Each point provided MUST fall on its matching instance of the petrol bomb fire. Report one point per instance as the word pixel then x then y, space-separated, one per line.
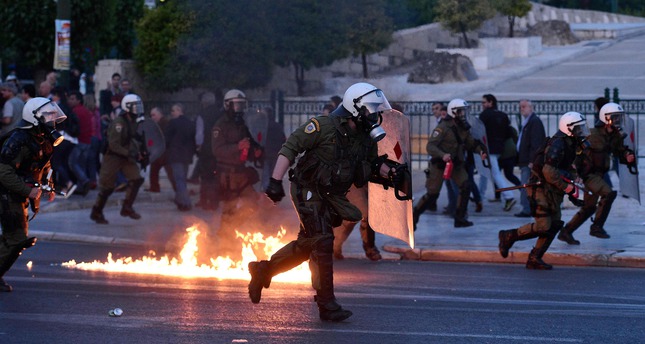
pixel 187 266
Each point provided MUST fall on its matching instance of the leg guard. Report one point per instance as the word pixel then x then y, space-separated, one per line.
pixel 566 234
pixel 543 243
pixel 461 218
pixel 576 221
pixel 604 207
pixel 321 257
pixel 10 253
pixel 369 244
pixel 130 195
pixel 97 209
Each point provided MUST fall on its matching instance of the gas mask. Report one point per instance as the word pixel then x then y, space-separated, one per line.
pixel 580 133
pixel 236 108
pixel 371 123
pixel 462 118
pixel 49 129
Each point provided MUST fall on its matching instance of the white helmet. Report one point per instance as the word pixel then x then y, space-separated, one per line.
pixel 363 95
pixel 132 103
pixel 236 100
pixel 41 110
pixel 455 105
pixel 573 124
pixel 612 113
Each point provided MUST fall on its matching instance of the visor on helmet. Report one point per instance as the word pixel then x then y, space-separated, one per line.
pixel 374 102
pixel 50 112
pixel 136 107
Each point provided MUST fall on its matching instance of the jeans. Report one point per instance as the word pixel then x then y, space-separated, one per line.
pixel 179 173
pixel 79 162
pixel 500 181
pixel 524 200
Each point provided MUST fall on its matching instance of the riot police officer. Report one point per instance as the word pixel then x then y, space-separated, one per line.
pixel 124 151
pixel 605 138
pixel 552 177
pixel 233 147
pixel 446 146
pixel 338 150
pixel 24 164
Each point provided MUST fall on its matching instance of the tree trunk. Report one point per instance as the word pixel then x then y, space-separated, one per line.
pixel 463 33
pixel 364 60
pixel 511 23
pixel 300 79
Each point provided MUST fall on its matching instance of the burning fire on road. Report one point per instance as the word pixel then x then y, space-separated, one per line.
pixel 187 266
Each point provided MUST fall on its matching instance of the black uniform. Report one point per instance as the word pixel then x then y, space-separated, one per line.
pixel 24 159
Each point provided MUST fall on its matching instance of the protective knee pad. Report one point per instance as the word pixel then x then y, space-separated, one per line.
pixel 611 196
pixel 556 226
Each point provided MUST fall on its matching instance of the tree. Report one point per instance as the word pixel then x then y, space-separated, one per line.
pixel 512 9
pixel 308 33
pixel 210 43
pixel 370 29
pixel 27 33
pixel 158 34
pixel 460 16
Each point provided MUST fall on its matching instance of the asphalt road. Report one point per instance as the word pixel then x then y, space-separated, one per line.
pixel 392 301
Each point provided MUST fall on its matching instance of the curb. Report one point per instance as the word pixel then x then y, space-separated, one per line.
pixel 488 256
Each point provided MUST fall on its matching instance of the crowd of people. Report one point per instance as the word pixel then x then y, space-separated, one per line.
pixel 329 160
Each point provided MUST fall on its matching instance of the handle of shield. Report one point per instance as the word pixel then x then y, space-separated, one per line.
pixel 486 162
pixel 403 192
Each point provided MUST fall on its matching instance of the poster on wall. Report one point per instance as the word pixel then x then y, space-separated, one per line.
pixel 63 43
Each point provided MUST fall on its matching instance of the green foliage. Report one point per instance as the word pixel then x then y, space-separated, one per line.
pixel 460 16
pixel 370 30
pixel 512 9
pixel 99 28
pixel 204 43
pixel 410 13
pixel 158 34
pixel 24 24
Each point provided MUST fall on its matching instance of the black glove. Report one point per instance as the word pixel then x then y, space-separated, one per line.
pixel 275 191
pixel 395 175
pixel 573 197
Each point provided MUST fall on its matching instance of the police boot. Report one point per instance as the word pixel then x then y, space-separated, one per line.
pixel 566 236
pixel 130 196
pixel 598 232
pixel 427 202
pixel 323 282
pixel 8 259
pixel 576 221
pixel 369 243
pixel 461 218
pixel 97 210
pixel 543 243
pixel 260 278
pixel 604 206
pixel 506 240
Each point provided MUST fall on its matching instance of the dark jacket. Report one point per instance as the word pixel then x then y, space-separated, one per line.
pixel 532 138
pixel 180 140
pixel 497 129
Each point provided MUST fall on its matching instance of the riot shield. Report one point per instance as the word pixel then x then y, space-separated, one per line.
pixel 478 131
pixel 387 213
pixel 154 139
pixel 628 174
pixel 257 122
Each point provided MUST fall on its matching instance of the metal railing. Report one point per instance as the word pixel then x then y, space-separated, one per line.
pixel 293 113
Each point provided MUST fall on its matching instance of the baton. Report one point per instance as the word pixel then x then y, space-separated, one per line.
pixel 528 185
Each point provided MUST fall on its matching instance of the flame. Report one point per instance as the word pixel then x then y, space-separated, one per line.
pixel 187 266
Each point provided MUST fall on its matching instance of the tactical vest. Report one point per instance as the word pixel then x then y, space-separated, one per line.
pixel 348 166
pixel 565 158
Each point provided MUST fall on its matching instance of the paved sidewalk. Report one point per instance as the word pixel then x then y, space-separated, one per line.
pixel 436 239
